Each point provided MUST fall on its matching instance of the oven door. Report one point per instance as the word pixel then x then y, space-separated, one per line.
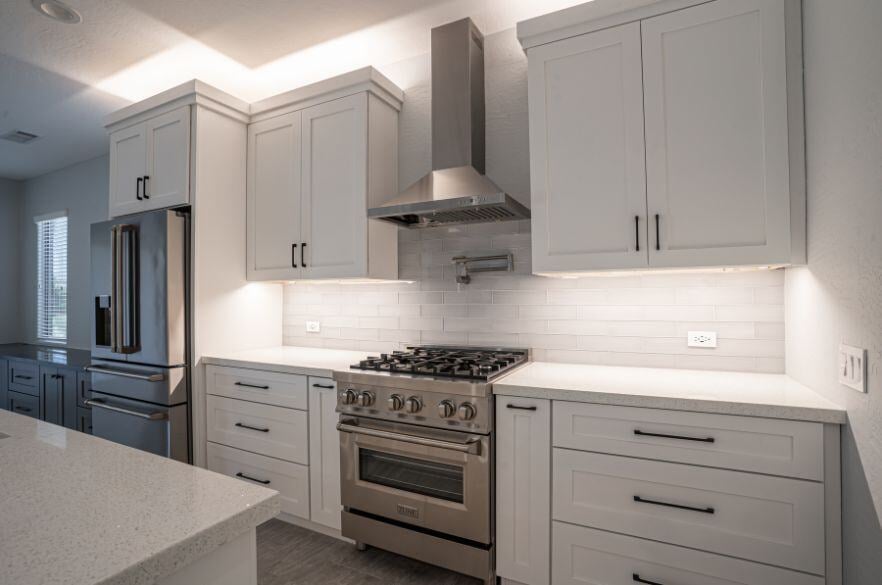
pixel 432 478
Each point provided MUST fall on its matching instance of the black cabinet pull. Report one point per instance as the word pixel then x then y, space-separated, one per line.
pixel 327 386
pixel 146 178
pixel 637 233
pixel 247 385
pixel 638 579
pixel 302 250
pixel 138 188
pixel 516 407
pixel 293 255
pixel 707 510
pixel 23 377
pixel 258 429
pixel 22 408
pixel 640 433
pixel 657 235
pixel 249 478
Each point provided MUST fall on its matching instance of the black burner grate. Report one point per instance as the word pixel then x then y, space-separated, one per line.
pixel 446 362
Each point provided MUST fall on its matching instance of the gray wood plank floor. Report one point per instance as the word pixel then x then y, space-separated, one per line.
pixel 290 555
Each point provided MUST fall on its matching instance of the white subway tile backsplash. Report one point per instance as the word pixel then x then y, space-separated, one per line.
pixel 631 320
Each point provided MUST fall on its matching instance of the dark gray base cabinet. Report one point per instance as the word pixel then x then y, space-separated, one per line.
pixel 84 420
pixel 58 396
pixel 3 382
pixel 25 404
pixel 51 393
pixel 23 377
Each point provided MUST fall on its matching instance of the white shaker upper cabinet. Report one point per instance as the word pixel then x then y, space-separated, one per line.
pixel 718 175
pixel 128 165
pixel 335 188
pixel 274 202
pixel 587 152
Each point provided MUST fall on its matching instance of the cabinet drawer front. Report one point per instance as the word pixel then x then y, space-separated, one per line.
pixel 773 520
pixel 289 479
pixel 23 404
pixel 24 377
pixel 259 428
pixel 583 556
pixel 776 447
pixel 286 390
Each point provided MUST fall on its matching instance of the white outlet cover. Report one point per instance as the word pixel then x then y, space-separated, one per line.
pixel 706 339
pixel 313 326
pixel 852 367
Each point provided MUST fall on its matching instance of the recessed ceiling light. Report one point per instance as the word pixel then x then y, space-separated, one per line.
pixel 57 10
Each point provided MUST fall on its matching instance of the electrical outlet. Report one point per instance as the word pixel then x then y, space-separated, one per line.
pixel 313 326
pixel 853 367
pixel 706 339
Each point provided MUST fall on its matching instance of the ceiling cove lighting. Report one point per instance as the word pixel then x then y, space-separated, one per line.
pixel 57 10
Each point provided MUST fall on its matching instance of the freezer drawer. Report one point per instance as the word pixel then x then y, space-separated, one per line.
pixel 166 386
pixel 161 430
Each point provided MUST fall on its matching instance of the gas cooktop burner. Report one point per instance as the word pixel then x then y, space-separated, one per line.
pixel 468 363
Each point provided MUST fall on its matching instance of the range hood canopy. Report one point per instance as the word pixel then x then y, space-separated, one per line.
pixel 456 191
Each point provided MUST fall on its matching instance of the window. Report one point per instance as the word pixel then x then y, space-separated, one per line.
pixel 52 277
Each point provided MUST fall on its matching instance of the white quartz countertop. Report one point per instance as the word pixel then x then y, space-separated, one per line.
pixel 747 394
pixel 307 361
pixel 80 510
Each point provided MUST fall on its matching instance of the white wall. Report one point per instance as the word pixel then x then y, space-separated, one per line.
pixel 838 297
pixel 82 190
pixel 10 209
pixel 633 320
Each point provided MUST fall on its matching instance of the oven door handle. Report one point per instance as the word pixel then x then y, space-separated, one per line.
pixel 471 446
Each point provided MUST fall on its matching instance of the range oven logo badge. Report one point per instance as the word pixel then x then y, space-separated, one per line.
pixel 408 511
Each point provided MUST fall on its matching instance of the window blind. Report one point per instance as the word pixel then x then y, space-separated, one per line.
pixel 52 277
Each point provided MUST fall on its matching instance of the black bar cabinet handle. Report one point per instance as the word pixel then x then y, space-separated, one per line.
pixel 258 429
pixel 138 182
pixel 637 233
pixel 247 385
pixel 657 234
pixel 638 579
pixel 248 477
pixel 22 377
pixel 707 510
pixel 293 255
pixel 327 386
pixel 640 433
pixel 22 408
pixel 302 250
pixel 518 407
pixel 146 178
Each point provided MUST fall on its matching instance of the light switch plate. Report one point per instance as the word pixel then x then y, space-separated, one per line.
pixel 707 339
pixel 313 326
pixel 853 367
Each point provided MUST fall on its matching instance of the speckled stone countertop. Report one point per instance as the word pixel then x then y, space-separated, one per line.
pixel 79 510
pixel 307 361
pixel 746 394
pixel 56 356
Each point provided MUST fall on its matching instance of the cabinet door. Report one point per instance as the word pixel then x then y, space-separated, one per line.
pixel 84 420
pixel 587 152
pixel 335 188
pixel 4 376
pixel 69 390
pixel 167 180
pixel 274 184
pixel 523 489
pixel 51 407
pixel 324 453
pixel 128 165
pixel 716 134
pixel 84 388
pixel 23 404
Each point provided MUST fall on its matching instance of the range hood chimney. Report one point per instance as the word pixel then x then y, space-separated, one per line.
pixel 456 191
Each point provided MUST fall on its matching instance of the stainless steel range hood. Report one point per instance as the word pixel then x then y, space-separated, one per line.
pixel 456 191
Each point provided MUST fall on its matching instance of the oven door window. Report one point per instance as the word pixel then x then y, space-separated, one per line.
pixel 417 476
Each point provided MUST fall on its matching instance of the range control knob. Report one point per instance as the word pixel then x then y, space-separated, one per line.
pixel 466 411
pixel 396 402
pixel 446 409
pixel 365 398
pixel 348 397
pixel 413 405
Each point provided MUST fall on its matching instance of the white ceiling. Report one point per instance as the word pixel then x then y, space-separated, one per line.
pixel 58 81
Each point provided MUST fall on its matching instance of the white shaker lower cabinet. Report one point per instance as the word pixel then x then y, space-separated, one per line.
pixel 666 136
pixel 627 495
pixel 278 430
pixel 324 453
pixel 523 490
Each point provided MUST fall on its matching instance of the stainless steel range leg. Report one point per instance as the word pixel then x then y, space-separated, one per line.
pixel 491 579
pixel 360 546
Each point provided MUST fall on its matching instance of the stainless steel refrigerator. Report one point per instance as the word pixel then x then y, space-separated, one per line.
pixel 141 332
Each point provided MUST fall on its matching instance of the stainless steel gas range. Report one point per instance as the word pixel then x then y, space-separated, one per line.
pixel 416 443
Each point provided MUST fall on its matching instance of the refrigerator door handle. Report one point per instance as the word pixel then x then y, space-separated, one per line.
pixel 98 403
pixel 115 279
pixel 123 374
pixel 126 283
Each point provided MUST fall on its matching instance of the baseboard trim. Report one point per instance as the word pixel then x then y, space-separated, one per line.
pixel 315 527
